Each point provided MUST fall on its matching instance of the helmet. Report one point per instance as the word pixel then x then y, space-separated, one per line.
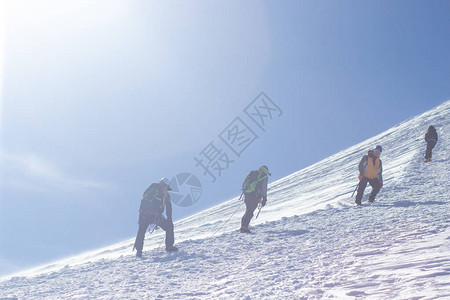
pixel 379 148
pixel 165 181
pixel 264 169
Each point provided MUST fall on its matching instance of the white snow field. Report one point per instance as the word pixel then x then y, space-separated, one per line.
pixel 310 242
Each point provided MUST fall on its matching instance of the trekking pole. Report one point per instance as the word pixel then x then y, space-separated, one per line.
pixel 260 206
pixel 241 195
pixel 355 189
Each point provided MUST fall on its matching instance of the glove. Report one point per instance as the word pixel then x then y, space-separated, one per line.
pixel 263 202
pixel 360 177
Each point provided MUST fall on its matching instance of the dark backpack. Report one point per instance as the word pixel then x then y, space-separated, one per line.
pixel 431 134
pixel 250 182
pixel 153 199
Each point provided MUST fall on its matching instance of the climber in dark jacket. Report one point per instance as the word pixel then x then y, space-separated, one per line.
pixel 255 192
pixel 431 138
pixel 155 199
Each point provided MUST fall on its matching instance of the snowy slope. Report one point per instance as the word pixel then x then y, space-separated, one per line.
pixel 310 241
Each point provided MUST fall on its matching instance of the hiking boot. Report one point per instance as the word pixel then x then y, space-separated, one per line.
pixel 244 230
pixel 171 249
pixel 358 202
pixel 139 254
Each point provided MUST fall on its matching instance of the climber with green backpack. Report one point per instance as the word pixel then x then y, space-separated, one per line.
pixel 255 191
pixel 155 199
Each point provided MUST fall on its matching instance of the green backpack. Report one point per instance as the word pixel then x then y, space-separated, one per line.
pixel 250 181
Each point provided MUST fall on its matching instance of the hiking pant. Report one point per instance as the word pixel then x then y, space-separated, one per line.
pixel 145 221
pixel 430 146
pixel 251 203
pixel 374 183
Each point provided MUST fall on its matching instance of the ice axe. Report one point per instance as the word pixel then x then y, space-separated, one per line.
pixel 241 195
pixel 355 189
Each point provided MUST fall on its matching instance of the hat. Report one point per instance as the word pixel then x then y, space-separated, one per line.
pixel 265 169
pixel 379 148
pixel 166 182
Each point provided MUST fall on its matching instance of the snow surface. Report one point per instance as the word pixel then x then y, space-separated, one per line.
pixel 309 242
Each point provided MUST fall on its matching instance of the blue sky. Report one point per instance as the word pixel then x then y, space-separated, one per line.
pixel 101 98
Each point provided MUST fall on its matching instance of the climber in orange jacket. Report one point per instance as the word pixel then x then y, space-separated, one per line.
pixel 370 171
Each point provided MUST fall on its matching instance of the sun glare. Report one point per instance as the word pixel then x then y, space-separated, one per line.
pixel 2 55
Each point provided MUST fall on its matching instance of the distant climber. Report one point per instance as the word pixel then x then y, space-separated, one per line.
pixel 431 138
pixel 370 171
pixel 255 191
pixel 153 202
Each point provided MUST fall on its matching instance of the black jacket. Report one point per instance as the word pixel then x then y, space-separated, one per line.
pixel 431 135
